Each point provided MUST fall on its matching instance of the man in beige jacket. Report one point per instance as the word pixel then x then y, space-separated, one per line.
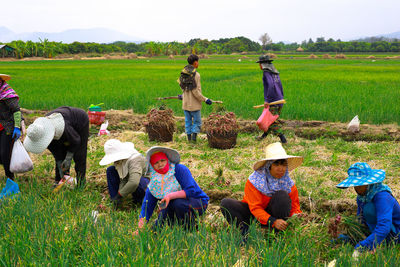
pixel 192 97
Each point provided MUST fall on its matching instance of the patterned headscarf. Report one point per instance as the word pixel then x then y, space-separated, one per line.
pixel 267 184
pixel 372 190
pixel 162 184
pixel 7 92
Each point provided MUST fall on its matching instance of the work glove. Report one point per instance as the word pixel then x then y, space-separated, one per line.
pixel 66 164
pixel 208 101
pixel 17 133
pixel 180 97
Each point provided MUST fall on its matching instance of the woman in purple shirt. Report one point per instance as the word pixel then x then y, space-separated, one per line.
pixel 273 91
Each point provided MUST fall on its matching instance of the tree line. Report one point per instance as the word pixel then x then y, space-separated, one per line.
pixel 49 49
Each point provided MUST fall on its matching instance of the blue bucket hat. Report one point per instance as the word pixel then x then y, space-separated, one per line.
pixel 360 173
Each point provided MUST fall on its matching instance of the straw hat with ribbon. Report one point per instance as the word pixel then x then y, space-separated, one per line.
pixel 42 131
pixel 274 152
pixel 360 173
pixel 172 155
pixel 116 150
pixel 5 77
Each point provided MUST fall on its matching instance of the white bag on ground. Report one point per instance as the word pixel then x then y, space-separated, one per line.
pixel 103 129
pixel 354 125
pixel 20 160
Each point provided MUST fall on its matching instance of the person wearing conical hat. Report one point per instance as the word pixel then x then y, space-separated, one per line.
pixel 273 91
pixel 173 187
pixel 10 122
pixel 376 206
pixel 127 175
pixel 65 132
pixel 270 195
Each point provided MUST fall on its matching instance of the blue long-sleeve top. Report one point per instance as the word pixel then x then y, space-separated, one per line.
pixel 188 184
pixel 387 214
pixel 273 90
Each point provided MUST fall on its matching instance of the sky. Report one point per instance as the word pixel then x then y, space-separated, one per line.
pixel 178 20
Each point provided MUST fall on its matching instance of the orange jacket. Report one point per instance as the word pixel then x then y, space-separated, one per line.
pixel 258 202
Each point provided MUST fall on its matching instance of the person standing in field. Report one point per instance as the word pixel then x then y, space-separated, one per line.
pixel 128 174
pixel 192 97
pixel 376 205
pixel 273 91
pixel 270 195
pixel 64 131
pixel 10 122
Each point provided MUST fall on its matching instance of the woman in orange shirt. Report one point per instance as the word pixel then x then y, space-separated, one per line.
pixel 270 195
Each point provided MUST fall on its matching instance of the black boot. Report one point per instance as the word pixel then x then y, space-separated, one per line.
pixel 189 137
pixel 194 137
pixel 259 138
pixel 283 138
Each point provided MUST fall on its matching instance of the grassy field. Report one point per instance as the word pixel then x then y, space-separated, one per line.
pixel 42 228
pixel 322 89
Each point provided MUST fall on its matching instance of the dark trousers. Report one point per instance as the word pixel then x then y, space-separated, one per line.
pixel 6 143
pixel 183 211
pixel 113 181
pixel 238 213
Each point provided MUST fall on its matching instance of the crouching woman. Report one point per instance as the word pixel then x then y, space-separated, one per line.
pixel 270 195
pixel 376 206
pixel 171 185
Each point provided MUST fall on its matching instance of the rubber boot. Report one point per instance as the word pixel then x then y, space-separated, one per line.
pixel 194 137
pixel 283 138
pixel 189 136
pixel 259 138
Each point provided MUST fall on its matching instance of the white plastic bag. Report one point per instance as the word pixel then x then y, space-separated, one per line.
pixel 103 129
pixel 354 125
pixel 20 160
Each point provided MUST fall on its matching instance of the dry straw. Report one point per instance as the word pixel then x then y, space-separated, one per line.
pixel 340 56
pixel 371 57
pixel 313 56
pixel 327 56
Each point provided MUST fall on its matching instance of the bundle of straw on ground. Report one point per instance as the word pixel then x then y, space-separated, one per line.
pixel 132 56
pixel 312 56
pixel 371 57
pixel 340 56
pixel 327 56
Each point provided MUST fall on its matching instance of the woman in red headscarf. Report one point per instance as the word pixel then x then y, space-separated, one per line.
pixel 172 186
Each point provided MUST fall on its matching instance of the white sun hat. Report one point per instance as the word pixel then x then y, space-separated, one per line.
pixel 274 152
pixel 116 150
pixel 172 155
pixel 39 135
pixel 5 77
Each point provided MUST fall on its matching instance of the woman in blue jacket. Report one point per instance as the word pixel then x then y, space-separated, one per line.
pixel 172 186
pixel 377 207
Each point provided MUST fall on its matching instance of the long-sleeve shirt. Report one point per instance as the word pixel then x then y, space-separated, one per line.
pixel 387 214
pixel 258 202
pixel 8 107
pixel 134 168
pixel 273 90
pixel 192 99
pixel 76 129
pixel 188 184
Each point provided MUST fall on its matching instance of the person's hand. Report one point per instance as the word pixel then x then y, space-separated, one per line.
pixel 208 101
pixel 164 202
pixel 280 224
pixel 17 133
pixel 266 105
pixel 180 97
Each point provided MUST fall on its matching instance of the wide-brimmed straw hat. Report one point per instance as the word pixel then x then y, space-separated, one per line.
pixel 274 152
pixel 116 150
pixel 264 59
pixel 39 135
pixel 5 77
pixel 360 173
pixel 172 155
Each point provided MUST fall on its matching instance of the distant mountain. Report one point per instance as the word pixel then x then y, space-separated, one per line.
pixel 96 35
pixel 391 35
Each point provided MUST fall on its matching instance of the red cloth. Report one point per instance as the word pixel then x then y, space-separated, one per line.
pixel 159 156
pixel 1 127
pixel 258 202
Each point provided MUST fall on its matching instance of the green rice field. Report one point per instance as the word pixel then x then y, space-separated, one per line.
pixel 315 89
